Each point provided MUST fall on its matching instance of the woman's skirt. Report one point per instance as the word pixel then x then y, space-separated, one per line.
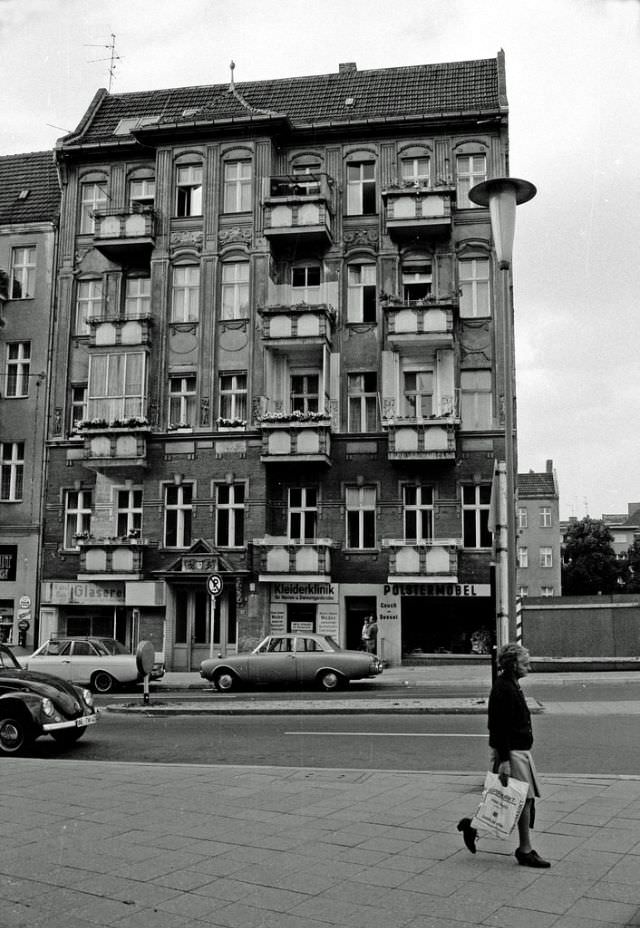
pixel 522 768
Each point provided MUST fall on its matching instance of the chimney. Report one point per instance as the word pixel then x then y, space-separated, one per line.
pixel 346 66
pixel 549 467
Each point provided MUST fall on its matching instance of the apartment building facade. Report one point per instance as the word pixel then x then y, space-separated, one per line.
pixel 277 363
pixel 539 534
pixel 29 205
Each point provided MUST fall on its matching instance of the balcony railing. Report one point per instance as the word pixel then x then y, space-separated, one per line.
pixel 297 321
pixel 428 320
pixel 125 235
pixel 110 330
pixel 434 561
pixel 416 209
pixel 281 558
pixel 105 558
pixel 299 206
pixel 119 443
pixel 295 437
pixel 421 439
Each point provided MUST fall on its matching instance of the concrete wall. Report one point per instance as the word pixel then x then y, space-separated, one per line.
pixel 582 626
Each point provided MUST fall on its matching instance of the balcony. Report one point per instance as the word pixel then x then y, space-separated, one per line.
pixel 107 331
pixel 111 558
pixel 297 323
pixel 433 561
pixel 120 443
pixel 293 438
pixel 280 559
pixel 417 210
pixel 424 322
pixel 421 440
pixel 125 236
pixel 298 208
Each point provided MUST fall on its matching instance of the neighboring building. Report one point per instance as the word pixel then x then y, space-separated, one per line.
pixel 29 206
pixel 539 560
pixel 278 360
pixel 624 528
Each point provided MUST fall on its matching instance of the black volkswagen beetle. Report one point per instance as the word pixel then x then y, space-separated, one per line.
pixel 34 704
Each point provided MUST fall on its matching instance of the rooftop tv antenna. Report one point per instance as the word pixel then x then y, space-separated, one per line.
pixel 111 59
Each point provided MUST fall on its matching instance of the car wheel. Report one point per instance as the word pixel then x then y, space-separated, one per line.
pixel 330 680
pixel 14 734
pixel 68 736
pixel 102 682
pixel 225 681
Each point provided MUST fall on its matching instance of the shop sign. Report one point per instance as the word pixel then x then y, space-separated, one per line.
pixel 8 561
pixel 328 622
pixel 304 592
pixel 437 589
pixel 63 593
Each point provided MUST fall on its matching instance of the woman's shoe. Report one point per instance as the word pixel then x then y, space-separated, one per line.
pixel 530 859
pixel 469 834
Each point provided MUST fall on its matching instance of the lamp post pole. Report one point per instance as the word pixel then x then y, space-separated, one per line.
pixel 502 195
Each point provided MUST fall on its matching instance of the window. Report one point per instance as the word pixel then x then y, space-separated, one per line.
pixel 545 517
pixel 362 390
pixel 546 591
pixel 305 283
pixel 476 500
pixel 142 194
pixel 18 366
pixel 304 392
pixel 189 190
pixel 546 557
pixel 78 404
pixel 129 512
pixel 361 293
pixel 11 471
pixel 470 170
pixel 473 277
pixel 77 516
pixel 88 304
pixel 185 301
pixel 237 187
pixel 361 517
pixel 415 171
pixel 116 385
pixel 235 290
pixel 416 282
pixel 303 514
pixel 523 557
pixel 418 513
pixel 476 399
pixel 417 397
pixel 23 273
pixel 523 591
pixel 178 515
pixel 182 400
pixel 312 185
pixel 93 197
pixel 230 506
pixel 233 397
pixel 361 189
pixel 137 299
pixel 523 519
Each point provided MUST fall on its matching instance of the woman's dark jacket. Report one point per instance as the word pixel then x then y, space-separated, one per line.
pixel 509 718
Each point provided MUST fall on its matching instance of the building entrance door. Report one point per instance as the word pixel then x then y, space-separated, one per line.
pixel 192 628
pixel 356 608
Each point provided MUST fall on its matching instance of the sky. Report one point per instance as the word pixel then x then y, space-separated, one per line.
pixel 573 84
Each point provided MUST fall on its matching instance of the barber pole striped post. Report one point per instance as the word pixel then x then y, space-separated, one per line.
pixel 518 619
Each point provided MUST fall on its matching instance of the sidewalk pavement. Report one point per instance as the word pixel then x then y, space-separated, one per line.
pixel 91 844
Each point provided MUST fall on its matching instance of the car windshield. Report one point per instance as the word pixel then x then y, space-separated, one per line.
pixel 7 659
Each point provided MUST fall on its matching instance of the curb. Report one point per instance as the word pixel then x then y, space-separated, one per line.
pixel 357 707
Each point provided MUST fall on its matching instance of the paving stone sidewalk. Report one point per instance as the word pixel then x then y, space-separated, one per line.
pixel 86 844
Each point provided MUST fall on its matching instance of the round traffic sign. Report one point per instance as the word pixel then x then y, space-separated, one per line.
pixel 214 584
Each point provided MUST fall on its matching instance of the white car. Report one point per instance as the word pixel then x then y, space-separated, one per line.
pixel 85 662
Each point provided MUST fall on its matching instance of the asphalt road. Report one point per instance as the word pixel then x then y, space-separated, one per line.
pixel 598 744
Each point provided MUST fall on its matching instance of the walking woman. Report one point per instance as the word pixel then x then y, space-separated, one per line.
pixel 510 740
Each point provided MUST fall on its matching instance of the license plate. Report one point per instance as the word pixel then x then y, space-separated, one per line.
pixel 86 720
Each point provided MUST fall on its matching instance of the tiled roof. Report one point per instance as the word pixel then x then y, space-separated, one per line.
pixel 36 173
pixel 389 93
pixel 536 486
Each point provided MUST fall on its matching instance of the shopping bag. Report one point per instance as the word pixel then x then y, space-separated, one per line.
pixel 500 806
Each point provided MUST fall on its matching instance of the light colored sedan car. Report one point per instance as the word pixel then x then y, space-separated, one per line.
pixel 301 659
pixel 85 662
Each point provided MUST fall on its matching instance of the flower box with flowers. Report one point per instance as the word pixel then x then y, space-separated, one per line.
pixel 230 425
pixel 295 418
pixel 99 424
pixel 179 427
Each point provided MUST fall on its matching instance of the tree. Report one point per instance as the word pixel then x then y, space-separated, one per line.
pixel 590 563
pixel 631 568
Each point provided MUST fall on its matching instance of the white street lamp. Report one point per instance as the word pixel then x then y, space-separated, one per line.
pixel 502 195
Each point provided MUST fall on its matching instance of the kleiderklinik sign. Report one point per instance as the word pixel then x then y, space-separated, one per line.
pixel 299 592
